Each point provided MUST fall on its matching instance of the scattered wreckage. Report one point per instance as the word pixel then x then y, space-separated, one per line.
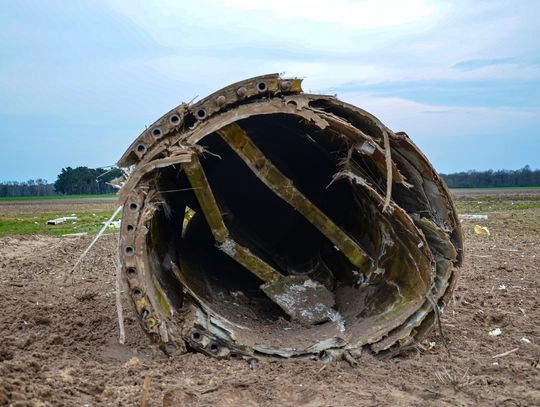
pixel 264 222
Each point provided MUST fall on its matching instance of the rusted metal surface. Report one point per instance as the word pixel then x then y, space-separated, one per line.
pixel 260 183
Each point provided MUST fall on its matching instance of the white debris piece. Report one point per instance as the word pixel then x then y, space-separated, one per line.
pixel 114 224
pixel 471 216
pixel 82 234
pixel 525 340
pixel 495 332
pixel 503 287
pixel 61 220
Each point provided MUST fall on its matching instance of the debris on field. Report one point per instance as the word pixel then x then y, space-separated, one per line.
pixel 145 397
pixel 495 332
pixel 81 234
pixel 61 220
pixel 466 216
pixel 525 340
pixel 134 361
pixel 481 230
pixel 501 355
pixel 113 225
pixel 502 287
pixel 262 210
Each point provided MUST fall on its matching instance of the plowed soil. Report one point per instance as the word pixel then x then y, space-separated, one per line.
pixel 59 338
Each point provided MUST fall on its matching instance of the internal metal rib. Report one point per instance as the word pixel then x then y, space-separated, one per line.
pixel 197 178
pixel 283 187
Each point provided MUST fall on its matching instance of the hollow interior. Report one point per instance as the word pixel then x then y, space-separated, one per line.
pixel 183 249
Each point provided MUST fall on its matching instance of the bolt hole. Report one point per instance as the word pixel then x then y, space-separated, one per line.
pixel 133 206
pixel 214 347
pixel 174 119
pixel 137 293
pixel 261 86
pixel 131 272
pixel 324 356
pixel 129 250
pixel 145 313
pixel 141 148
pixel 196 336
pixel 201 113
pixel 156 132
pixel 233 355
pixel 129 228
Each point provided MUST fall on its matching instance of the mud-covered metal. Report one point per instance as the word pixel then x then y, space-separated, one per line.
pixel 262 183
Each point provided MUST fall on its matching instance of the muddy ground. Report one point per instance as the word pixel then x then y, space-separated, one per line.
pixel 58 338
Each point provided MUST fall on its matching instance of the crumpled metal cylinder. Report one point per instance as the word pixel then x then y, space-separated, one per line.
pixel 241 204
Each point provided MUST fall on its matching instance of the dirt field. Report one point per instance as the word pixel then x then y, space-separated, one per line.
pixel 54 206
pixel 496 192
pixel 58 337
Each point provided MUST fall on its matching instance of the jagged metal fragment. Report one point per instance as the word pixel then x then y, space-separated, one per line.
pixel 262 222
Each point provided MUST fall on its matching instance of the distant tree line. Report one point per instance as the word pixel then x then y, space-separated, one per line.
pixel 90 181
pixel 70 181
pixel 38 187
pixel 525 177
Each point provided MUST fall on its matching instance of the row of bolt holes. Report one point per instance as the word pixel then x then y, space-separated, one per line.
pixel 214 347
pixel 201 114
pixel 129 249
pixel 323 356
pixel 261 86
pixel 131 271
pixel 137 293
pixel 157 133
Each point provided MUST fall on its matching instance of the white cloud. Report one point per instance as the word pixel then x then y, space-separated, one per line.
pixel 367 14
pixel 339 25
pixel 334 42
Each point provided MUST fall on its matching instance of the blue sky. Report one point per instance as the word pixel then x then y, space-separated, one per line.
pixel 79 80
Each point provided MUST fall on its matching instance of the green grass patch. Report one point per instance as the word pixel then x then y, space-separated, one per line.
pixel 495 188
pixel 29 224
pixel 92 222
pixel 481 204
pixel 54 197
